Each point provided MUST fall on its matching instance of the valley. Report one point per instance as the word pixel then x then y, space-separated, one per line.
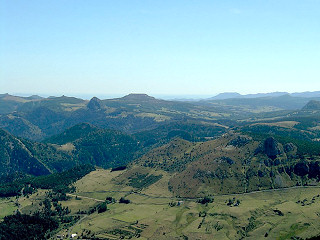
pixel 270 214
pixel 138 167
pixel 159 120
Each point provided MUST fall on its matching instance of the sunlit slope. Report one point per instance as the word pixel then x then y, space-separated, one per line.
pixel 233 163
pixel 272 214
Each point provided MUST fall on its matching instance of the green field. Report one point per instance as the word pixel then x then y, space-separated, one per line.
pixel 292 213
pixel 276 214
pixel 7 207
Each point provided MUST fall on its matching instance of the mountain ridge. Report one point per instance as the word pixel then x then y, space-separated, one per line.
pixel 228 95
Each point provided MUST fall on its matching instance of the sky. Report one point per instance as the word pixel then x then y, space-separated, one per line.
pixel 176 48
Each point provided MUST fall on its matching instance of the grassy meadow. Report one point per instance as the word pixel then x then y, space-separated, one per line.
pixel 276 214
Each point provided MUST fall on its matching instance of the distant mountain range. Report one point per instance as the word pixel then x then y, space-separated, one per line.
pixel 201 146
pixel 38 118
pixel 228 95
pixel 178 156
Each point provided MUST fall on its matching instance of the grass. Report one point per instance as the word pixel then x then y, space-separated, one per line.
pixel 156 117
pixel 79 204
pixel 99 180
pixel 253 219
pixel 284 124
pixel 256 217
pixel 159 188
pixel 294 230
pixel 143 180
pixel 7 207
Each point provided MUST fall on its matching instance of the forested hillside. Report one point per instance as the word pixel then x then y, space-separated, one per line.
pixel 168 153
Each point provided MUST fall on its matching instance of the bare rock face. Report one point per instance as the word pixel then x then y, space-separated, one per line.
pixel 95 104
pixel 227 160
pixel 301 168
pixel 289 147
pixel 270 147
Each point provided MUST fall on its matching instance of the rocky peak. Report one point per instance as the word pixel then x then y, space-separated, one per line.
pixel 95 104
pixel 270 147
pixel 289 147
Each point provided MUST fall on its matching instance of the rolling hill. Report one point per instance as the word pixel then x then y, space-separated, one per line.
pixel 38 118
pixel 312 105
pixel 16 157
pixel 181 175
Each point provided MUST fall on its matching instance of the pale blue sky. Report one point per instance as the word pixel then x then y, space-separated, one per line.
pixel 159 47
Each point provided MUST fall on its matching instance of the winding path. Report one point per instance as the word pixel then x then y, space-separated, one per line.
pixel 75 195
pixel 186 199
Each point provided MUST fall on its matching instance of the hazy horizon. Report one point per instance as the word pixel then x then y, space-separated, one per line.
pixel 183 162
pixel 88 96
pixel 159 48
